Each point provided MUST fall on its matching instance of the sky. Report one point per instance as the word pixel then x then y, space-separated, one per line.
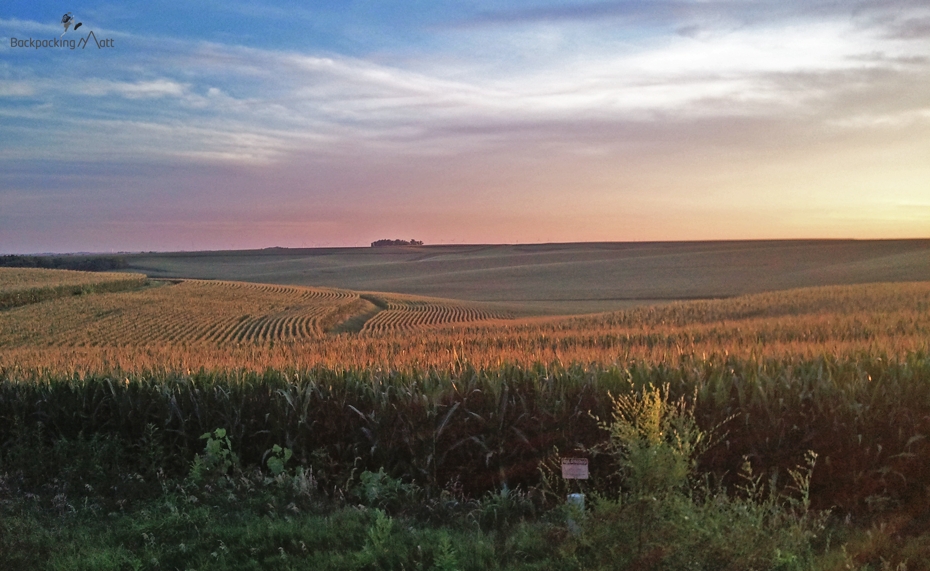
pixel 231 125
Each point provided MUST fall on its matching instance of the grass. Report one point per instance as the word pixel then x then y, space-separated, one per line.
pixel 177 536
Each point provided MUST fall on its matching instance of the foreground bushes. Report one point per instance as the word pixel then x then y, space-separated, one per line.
pixel 222 516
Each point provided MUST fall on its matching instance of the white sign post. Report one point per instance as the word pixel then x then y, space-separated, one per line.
pixel 575 469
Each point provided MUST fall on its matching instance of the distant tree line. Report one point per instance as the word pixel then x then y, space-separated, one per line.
pixel 82 263
pixel 377 243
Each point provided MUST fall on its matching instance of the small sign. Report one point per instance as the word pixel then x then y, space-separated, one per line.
pixel 575 468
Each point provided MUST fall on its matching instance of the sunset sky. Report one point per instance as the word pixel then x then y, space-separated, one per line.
pixel 219 125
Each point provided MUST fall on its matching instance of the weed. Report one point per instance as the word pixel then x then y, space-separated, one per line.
pixel 276 458
pixel 217 459
pixel 378 490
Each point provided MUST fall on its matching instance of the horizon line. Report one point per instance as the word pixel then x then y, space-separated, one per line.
pixel 472 245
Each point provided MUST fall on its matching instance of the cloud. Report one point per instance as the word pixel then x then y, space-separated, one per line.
pixel 15 25
pixel 16 89
pixel 677 11
pixel 910 29
pixel 132 90
pixel 207 101
pixel 606 121
pixel 878 120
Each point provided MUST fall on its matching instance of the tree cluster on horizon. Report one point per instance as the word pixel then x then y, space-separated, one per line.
pixel 378 243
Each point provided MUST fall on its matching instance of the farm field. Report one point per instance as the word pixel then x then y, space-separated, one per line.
pixel 410 421
pixel 218 314
pixel 564 278
pixel 25 286
pixel 195 324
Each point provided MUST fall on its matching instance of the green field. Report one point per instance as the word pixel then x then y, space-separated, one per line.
pixel 564 278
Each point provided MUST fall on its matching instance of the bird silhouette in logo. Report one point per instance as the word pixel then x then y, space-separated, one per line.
pixel 66 21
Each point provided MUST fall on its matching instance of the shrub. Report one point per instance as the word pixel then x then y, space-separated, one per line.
pixel 664 517
pixel 655 441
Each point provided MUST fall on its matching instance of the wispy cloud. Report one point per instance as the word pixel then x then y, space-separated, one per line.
pixel 679 11
pixel 15 25
pixel 131 90
pixel 16 89
pixel 910 29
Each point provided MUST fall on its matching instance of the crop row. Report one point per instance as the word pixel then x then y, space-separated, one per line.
pixel 190 311
pixel 402 315
pixel 304 293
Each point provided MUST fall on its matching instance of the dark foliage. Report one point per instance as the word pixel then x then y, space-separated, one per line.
pixel 480 429
pixel 80 263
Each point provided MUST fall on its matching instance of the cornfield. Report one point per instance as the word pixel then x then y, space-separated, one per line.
pixel 843 371
pixel 233 326
pixel 214 314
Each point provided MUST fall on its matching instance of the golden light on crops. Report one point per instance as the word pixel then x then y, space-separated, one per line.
pixel 194 324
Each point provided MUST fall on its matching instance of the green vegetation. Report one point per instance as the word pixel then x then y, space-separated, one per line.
pixel 466 458
pixel 105 504
pixel 481 429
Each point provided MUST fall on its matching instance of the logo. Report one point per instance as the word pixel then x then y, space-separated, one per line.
pixel 67 21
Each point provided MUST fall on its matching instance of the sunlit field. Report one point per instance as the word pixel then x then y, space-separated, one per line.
pixel 229 325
